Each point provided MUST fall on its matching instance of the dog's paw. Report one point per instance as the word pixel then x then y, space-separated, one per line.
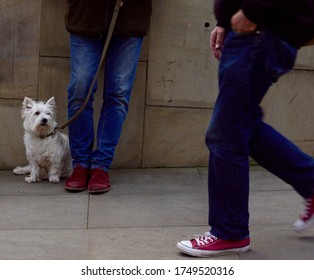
pixel 54 179
pixel 18 171
pixel 21 170
pixel 31 179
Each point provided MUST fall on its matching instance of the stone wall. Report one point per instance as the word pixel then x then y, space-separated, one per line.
pixel 174 91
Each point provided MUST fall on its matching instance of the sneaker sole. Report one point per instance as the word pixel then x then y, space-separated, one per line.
pixel 204 254
pixel 305 226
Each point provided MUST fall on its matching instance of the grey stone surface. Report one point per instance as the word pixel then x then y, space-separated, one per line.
pixel 16 185
pixel 19 56
pixel 12 149
pixel 289 103
pixel 43 211
pixel 153 201
pixel 182 72
pixel 175 137
pixel 39 244
pixel 142 218
pixel 54 39
pixel 279 242
pixel 305 59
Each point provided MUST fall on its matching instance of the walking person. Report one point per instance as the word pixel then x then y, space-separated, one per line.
pixel 256 42
pixel 88 23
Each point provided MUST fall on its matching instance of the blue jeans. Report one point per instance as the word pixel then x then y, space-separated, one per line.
pixel 120 68
pixel 250 64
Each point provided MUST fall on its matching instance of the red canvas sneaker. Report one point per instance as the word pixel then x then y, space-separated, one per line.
pixel 306 218
pixel 99 181
pixel 78 180
pixel 209 245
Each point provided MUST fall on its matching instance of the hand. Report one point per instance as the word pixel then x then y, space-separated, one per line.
pixel 241 24
pixel 216 41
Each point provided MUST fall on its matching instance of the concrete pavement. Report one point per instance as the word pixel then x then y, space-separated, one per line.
pixel 143 217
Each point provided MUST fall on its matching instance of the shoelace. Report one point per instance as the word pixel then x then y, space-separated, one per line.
pixel 307 212
pixel 205 239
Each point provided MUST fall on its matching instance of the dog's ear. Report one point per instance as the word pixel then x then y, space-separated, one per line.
pixel 27 105
pixel 51 102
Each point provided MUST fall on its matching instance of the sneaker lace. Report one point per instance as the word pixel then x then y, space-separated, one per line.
pixel 308 210
pixel 205 239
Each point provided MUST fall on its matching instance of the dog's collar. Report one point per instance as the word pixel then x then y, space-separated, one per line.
pixel 48 135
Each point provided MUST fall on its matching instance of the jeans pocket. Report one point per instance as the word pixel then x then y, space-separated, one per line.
pixel 236 44
pixel 241 36
pixel 280 57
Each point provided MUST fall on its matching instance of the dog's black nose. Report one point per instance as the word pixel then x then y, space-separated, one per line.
pixel 44 120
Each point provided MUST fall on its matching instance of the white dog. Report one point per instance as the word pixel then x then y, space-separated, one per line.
pixel 47 149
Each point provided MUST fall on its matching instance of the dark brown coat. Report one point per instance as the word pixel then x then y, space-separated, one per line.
pixel 92 17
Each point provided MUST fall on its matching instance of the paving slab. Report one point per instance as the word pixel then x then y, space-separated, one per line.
pixel 43 244
pixel 142 210
pixel 280 242
pixel 274 207
pixel 156 180
pixel 15 185
pixel 272 214
pixel 152 197
pixel 43 211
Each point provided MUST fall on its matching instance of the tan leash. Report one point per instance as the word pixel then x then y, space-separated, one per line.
pixel 117 7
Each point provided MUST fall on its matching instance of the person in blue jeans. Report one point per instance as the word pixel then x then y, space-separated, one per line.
pixel 256 42
pixel 88 23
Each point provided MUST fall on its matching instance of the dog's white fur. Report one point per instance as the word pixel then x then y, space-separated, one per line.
pixel 47 149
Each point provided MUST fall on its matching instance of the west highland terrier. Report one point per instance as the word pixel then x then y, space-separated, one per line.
pixel 47 149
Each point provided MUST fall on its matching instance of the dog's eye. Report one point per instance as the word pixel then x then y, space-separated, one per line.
pixel 37 113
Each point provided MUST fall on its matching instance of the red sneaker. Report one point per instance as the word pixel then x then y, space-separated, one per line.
pixel 307 216
pixel 78 180
pixel 99 181
pixel 209 245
